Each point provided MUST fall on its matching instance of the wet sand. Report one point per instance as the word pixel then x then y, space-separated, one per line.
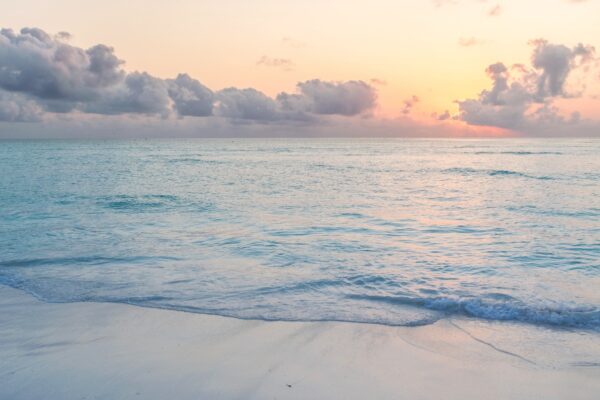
pixel 118 351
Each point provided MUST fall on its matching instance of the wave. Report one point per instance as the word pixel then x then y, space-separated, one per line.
pixel 88 260
pixel 493 172
pixel 194 160
pixel 422 310
pixel 554 212
pixel 137 203
pixel 150 203
pixel 519 153
pixel 500 307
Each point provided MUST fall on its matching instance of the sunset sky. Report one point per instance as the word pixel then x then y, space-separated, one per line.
pixel 378 67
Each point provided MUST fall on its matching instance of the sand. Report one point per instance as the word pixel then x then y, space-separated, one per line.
pixel 117 351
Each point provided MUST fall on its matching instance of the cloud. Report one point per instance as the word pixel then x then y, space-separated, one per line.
pixel 491 12
pixel 312 98
pixel 128 126
pixel 409 104
pixel 41 73
pixel 555 63
pixel 521 98
pixel 295 107
pixel 17 108
pixel 64 36
pixel 246 104
pixel 341 98
pixel 441 117
pixel 469 41
pixel 378 82
pixel 284 63
pixel 34 63
pixel 495 11
pixel 190 97
pixel 139 93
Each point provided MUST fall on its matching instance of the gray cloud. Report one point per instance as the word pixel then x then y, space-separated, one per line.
pixel 284 63
pixel 378 82
pixel 127 126
pixel 521 98
pixel 190 96
pixel 64 36
pixel 314 97
pixel 555 63
pixel 51 75
pixel 409 104
pixel 17 108
pixel 246 104
pixel 441 117
pixel 341 98
pixel 296 107
pixel 139 93
pixel 34 63
pixel 483 113
pixel 469 41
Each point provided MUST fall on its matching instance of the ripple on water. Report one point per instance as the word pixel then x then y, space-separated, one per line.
pixel 390 232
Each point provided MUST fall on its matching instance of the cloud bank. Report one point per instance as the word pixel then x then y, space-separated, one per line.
pixel 42 74
pixel 43 78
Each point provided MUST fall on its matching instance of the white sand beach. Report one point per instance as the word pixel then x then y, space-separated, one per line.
pixel 116 351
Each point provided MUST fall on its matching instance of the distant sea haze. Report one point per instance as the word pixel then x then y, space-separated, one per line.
pixel 398 232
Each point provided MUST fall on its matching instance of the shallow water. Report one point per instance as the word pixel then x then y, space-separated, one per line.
pixel 400 232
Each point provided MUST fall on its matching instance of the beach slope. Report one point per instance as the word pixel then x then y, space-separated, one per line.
pixel 117 351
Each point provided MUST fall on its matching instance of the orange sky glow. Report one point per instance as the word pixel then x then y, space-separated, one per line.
pixel 433 52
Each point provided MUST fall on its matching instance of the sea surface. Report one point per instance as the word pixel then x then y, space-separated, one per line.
pixel 399 232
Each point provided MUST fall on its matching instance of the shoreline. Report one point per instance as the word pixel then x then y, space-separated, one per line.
pixel 122 351
pixel 417 323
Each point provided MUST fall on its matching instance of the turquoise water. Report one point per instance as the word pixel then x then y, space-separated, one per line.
pixel 400 232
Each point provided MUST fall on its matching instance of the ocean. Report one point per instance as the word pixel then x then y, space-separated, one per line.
pixel 395 232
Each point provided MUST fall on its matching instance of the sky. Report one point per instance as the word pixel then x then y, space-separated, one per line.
pixel 404 68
